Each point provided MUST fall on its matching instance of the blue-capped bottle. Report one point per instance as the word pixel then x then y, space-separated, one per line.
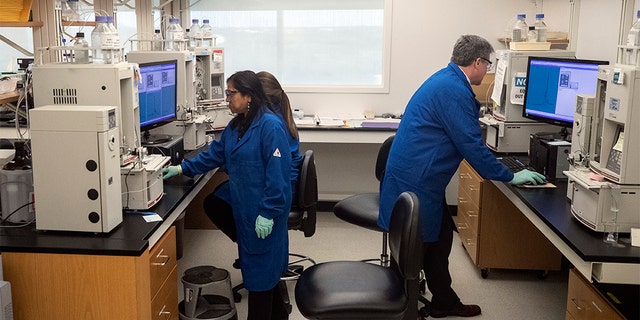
pixel 174 35
pixel 541 27
pixel 520 29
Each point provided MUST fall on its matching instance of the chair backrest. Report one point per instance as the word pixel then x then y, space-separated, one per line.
pixel 303 216
pixel 405 241
pixel 383 154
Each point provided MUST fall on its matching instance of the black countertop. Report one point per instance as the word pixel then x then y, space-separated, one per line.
pixel 554 209
pixel 130 238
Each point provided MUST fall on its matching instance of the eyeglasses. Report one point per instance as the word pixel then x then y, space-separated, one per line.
pixel 489 63
pixel 230 93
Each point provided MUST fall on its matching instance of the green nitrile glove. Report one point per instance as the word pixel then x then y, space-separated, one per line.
pixel 527 176
pixel 171 171
pixel 263 226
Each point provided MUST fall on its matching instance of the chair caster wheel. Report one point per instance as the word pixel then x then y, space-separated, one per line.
pixel 237 297
pixel 484 273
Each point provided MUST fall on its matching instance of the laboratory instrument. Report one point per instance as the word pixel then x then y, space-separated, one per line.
pixel 76 188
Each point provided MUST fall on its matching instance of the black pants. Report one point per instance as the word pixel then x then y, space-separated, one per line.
pixel 221 214
pixel 268 305
pixel 436 265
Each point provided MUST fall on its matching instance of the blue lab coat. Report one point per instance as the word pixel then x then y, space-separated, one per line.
pixel 438 129
pixel 259 168
pixel 223 192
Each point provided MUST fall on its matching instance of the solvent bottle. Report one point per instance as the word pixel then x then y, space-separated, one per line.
pixel 100 40
pixel 207 33
pixel 81 49
pixel 195 34
pixel 541 27
pixel 156 40
pixel 520 29
pixel 174 35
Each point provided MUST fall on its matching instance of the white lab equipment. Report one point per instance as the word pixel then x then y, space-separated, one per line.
pixel 94 84
pixel 581 131
pixel 76 188
pixel 142 182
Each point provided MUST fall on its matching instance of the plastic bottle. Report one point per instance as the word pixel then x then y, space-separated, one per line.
pixel 195 34
pixel 115 40
pixel 16 186
pixel 207 33
pixel 633 40
pixel 100 40
pixel 520 29
pixel 541 27
pixel 532 34
pixel 174 35
pixel 82 46
pixel 156 40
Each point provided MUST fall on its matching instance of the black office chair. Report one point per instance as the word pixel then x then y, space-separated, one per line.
pixel 361 290
pixel 302 217
pixel 363 209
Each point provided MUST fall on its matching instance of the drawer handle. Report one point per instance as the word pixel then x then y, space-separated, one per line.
pixel 473 188
pixel 162 312
pixel 576 304
pixel 465 176
pixel 462 200
pixel 595 305
pixel 461 226
pixel 472 213
pixel 161 256
pixel 469 242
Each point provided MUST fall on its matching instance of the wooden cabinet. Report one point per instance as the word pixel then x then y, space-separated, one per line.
pixel 584 302
pixel 75 286
pixel 494 232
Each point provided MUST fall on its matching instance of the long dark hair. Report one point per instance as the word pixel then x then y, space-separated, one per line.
pixel 248 84
pixel 278 99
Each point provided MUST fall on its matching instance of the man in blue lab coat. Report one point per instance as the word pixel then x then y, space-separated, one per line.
pixel 438 129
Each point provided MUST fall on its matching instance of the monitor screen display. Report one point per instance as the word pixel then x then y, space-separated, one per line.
pixel 157 93
pixel 552 85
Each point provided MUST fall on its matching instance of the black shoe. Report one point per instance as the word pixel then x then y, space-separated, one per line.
pixel 461 310
pixel 236 264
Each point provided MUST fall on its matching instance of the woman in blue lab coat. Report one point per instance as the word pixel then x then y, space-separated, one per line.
pixel 438 129
pixel 216 205
pixel 254 150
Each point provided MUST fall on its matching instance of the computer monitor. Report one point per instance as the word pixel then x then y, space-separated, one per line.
pixel 552 85
pixel 157 95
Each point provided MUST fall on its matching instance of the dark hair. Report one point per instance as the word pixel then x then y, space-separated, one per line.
pixel 278 99
pixel 468 48
pixel 248 84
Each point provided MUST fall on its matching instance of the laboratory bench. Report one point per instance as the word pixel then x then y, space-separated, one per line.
pixel 128 273
pixel 510 227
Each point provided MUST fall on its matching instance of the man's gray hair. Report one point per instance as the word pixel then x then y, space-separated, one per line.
pixel 468 48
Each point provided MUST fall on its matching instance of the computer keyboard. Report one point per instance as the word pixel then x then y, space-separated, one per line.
pixel 513 164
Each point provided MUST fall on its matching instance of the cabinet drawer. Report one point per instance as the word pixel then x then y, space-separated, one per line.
pixel 469 211
pixel 584 302
pixel 162 260
pixel 469 183
pixel 469 240
pixel 165 304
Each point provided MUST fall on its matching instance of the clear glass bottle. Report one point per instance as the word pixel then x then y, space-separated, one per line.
pixel 207 33
pixel 156 40
pixel 633 40
pixel 16 186
pixel 174 35
pixel 115 40
pixel 81 49
pixel 100 40
pixel 541 27
pixel 520 29
pixel 195 34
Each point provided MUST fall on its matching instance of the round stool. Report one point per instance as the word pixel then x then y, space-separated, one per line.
pixel 207 294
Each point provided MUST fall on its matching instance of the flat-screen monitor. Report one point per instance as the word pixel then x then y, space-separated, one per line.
pixel 552 85
pixel 158 97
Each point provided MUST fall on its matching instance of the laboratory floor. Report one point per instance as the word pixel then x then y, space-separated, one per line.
pixel 505 294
